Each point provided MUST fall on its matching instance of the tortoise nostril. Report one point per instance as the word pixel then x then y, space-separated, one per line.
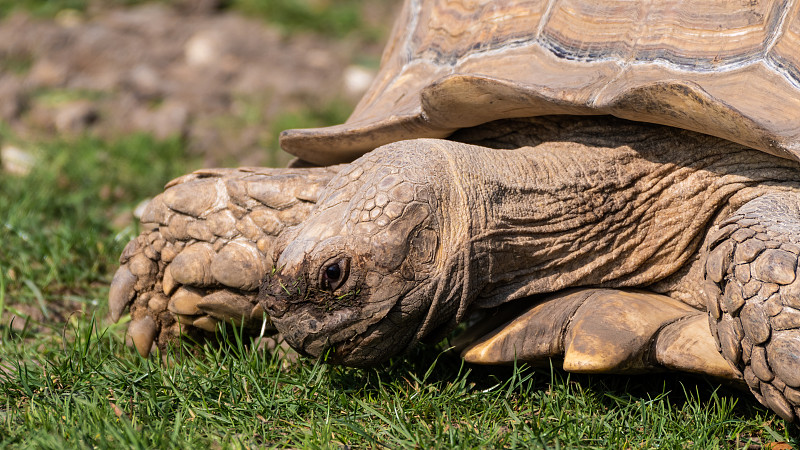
pixel 271 303
pixel 274 307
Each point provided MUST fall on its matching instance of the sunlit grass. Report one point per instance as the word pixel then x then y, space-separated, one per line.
pixel 63 225
pixel 86 389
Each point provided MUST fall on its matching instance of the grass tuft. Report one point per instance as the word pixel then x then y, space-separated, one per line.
pixel 84 388
pixel 63 225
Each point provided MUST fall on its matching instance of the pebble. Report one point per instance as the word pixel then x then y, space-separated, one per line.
pixel 16 161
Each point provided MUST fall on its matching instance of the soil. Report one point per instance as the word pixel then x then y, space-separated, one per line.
pixel 215 78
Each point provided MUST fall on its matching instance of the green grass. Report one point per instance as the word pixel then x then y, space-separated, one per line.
pixel 63 225
pixel 332 18
pixel 51 97
pixel 50 8
pixel 86 389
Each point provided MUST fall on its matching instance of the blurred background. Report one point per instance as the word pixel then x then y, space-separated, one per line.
pixel 103 102
pixel 224 76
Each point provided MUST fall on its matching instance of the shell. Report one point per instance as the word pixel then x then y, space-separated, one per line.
pixel 729 69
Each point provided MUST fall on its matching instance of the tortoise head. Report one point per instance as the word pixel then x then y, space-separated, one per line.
pixel 359 276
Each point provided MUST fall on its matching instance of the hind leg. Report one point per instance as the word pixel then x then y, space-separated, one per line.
pixel 205 248
pixel 753 293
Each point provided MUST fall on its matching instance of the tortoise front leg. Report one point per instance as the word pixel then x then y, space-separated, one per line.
pixel 601 331
pixel 753 292
pixel 205 247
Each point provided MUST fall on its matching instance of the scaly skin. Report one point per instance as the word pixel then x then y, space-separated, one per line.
pixel 412 237
pixel 205 248
pixel 753 294
pixel 424 232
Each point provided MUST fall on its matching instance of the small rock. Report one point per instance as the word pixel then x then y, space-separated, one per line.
pixel 145 81
pixel 357 80
pixel 203 49
pixel 15 161
pixel 69 18
pixel 76 117
pixel 46 73
pixel 199 6
pixel 12 98
pixel 170 120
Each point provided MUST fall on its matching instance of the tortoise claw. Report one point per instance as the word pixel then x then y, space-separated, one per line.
pixel 143 332
pixel 605 330
pixel 688 345
pixel 533 335
pixel 121 292
pixel 232 307
pixel 612 330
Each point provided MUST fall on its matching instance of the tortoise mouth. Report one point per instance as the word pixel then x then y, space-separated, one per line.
pixel 314 337
pixel 311 320
pixel 343 337
pixel 353 330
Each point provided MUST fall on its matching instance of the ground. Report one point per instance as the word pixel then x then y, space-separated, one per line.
pixel 101 103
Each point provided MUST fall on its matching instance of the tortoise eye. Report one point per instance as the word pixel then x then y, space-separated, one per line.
pixel 334 274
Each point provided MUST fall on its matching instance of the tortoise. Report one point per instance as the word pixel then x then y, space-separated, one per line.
pixel 611 185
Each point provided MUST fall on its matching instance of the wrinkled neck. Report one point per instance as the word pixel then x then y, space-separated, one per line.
pixel 564 214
